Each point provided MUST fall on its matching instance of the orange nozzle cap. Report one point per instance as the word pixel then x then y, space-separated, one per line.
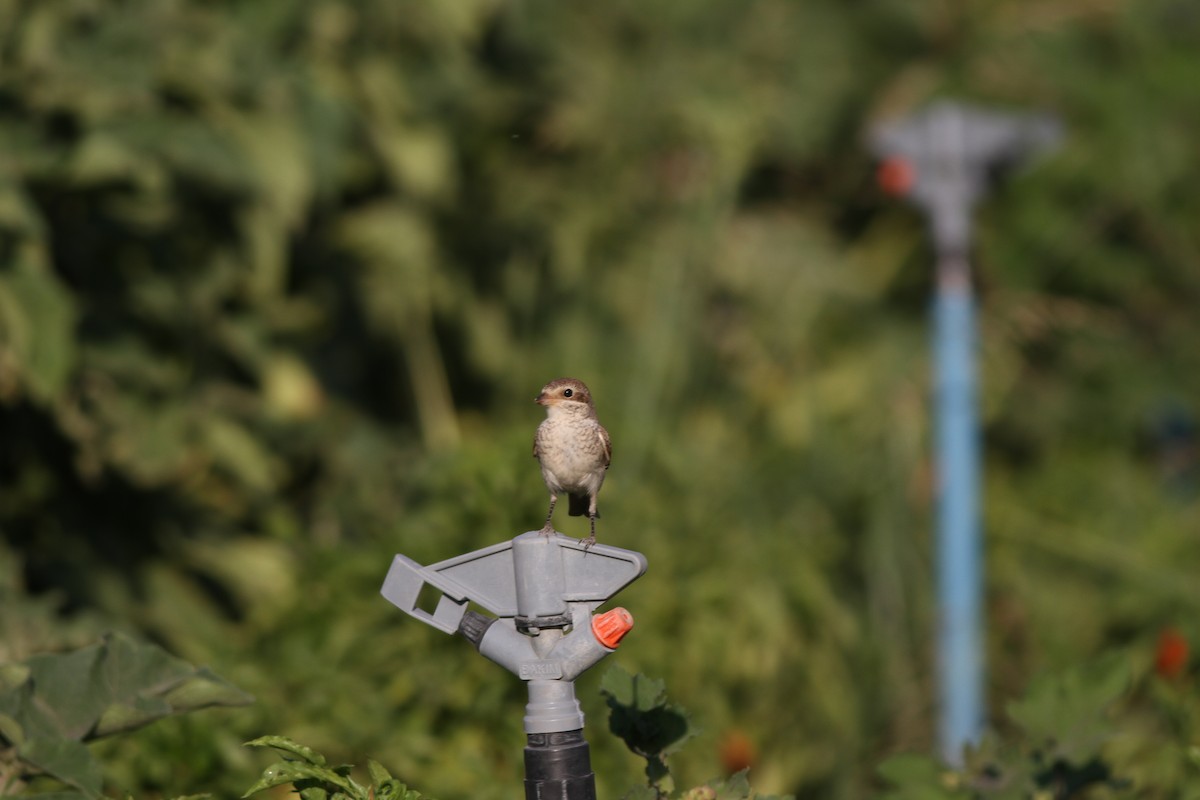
pixel 896 176
pixel 611 626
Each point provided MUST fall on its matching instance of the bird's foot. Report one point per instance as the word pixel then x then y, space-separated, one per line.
pixel 588 541
pixel 547 530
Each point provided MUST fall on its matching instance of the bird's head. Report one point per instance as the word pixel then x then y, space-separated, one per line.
pixel 564 393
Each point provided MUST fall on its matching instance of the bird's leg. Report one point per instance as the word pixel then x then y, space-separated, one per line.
pixel 590 540
pixel 548 529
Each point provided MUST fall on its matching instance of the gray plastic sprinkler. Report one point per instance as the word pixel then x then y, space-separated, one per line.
pixel 544 591
pixel 941 160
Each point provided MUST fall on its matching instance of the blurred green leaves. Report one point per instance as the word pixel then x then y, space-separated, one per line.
pixel 37 337
pixel 652 728
pixel 1066 715
pixel 51 704
pixel 1106 727
pixel 305 769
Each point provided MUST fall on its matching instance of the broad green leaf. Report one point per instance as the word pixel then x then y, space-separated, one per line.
pixel 640 715
pixel 636 691
pixel 68 761
pixel 61 795
pixel 107 687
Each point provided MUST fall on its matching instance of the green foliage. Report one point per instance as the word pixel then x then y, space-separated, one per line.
pixel 639 714
pixel 736 787
pixel 51 704
pixel 306 770
pixel 1088 731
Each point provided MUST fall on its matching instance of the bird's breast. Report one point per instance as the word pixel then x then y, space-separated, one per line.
pixel 570 449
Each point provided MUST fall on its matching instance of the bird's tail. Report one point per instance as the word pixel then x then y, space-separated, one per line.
pixel 579 505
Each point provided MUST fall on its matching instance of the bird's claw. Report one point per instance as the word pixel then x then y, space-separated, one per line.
pixel 587 541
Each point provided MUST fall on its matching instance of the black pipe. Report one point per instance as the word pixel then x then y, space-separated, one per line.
pixel 558 766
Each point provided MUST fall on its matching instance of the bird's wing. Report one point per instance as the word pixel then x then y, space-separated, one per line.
pixel 605 444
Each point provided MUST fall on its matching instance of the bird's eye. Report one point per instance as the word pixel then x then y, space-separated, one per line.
pixel 567 393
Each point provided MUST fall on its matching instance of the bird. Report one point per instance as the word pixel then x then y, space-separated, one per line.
pixel 573 449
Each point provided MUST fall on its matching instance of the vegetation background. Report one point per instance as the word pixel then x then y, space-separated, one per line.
pixel 279 279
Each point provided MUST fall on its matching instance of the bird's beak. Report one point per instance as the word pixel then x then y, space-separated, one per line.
pixel 540 399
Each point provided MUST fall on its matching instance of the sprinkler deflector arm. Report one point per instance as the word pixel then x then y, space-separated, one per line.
pixel 537 587
pixel 531 579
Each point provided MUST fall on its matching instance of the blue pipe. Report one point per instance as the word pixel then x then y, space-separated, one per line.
pixel 959 556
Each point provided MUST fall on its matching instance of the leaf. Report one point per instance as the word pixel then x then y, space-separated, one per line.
pixel 205 689
pixel 636 691
pixel 388 788
pixel 112 686
pixel 285 772
pixel 736 787
pixel 282 773
pixel 377 772
pixel 101 158
pixel 68 761
pixel 1068 711
pixel 239 452
pixel 397 249
pixel 286 745
pixel 640 715
pixel 11 730
pixel 37 326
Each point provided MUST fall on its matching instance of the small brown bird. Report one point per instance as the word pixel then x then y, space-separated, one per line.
pixel 573 449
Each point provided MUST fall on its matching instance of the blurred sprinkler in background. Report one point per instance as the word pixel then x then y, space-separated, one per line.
pixel 941 160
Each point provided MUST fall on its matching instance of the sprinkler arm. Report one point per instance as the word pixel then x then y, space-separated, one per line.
pixel 537 586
